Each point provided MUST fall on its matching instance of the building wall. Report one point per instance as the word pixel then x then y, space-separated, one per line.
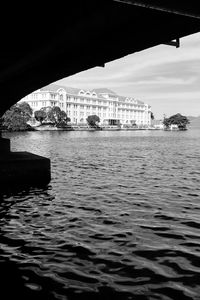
pixel 79 104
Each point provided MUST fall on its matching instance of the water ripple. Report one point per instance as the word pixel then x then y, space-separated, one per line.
pixel 119 219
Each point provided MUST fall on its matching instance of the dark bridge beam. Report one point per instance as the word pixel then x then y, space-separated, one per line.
pixel 179 7
pixel 42 45
pixel 175 43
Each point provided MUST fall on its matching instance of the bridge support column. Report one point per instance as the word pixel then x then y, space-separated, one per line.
pixel 22 168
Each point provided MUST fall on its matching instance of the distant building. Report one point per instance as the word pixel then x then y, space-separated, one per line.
pixel 158 124
pixel 111 108
pixel 173 127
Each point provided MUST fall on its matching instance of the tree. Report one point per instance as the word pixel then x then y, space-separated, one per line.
pixel 63 119
pixel 57 116
pixel 166 122
pixel 152 116
pixel 178 119
pixel 40 115
pixel 26 110
pixel 93 120
pixel 53 115
pixel 16 118
pixel 133 123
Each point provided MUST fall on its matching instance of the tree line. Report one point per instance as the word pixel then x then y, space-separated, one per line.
pixel 18 116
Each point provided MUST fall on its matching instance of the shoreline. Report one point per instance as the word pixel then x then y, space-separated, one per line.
pixel 92 129
pixel 83 128
pixel 80 129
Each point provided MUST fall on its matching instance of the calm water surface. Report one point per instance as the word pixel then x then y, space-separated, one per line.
pixel 119 219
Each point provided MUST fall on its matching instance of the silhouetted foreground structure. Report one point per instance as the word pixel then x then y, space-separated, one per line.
pixel 40 45
pixel 43 44
pixel 22 167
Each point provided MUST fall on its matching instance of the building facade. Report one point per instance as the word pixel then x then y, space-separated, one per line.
pixel 78 104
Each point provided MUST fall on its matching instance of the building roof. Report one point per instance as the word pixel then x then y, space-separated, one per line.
pixel 51 87
pixel 103 91
pixel 55 87
pixel 75 91
pixel 139 102
pixel 122 98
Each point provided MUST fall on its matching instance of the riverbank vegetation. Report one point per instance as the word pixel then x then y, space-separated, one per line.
pixel 52 115
pixel 180 121
pixel 93 121
pixel 16 118
pixel 20 117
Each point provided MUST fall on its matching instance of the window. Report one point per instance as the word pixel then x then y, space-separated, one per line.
pixel 34 96
pixel 81 92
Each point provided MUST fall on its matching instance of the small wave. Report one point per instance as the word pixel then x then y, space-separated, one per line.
pixel 90 209
pixel 112 224
pixel 171 236
pixel 192 224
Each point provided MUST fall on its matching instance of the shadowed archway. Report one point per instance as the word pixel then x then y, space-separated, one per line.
pixel 43 44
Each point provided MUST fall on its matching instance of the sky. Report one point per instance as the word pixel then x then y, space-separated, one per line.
pixel 165 77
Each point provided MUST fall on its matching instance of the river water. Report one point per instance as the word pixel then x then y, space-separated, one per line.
pixel 119 219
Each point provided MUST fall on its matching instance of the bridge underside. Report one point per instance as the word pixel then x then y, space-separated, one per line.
pixel 43 44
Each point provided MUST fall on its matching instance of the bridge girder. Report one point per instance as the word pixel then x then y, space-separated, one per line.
pixel 43 44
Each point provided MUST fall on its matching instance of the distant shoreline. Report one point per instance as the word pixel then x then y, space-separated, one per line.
pixel 79 128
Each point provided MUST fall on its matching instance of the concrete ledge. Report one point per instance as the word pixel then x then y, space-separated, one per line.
pixel 24 168
pixel 4 146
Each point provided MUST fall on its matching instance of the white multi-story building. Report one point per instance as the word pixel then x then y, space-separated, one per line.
pixel 78 104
